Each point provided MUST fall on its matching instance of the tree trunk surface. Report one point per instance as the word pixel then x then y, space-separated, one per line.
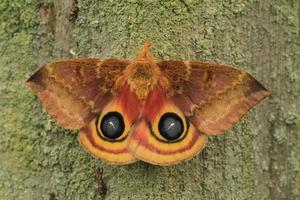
pixel 257 159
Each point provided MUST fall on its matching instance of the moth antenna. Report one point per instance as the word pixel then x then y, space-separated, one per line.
pixel 145 53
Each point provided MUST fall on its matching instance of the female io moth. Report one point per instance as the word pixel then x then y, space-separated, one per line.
pixel 144 109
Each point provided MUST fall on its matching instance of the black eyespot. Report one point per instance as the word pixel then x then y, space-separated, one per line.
pixel 170 126
pixel 112 125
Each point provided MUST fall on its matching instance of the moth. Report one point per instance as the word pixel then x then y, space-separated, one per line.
pixel 157 111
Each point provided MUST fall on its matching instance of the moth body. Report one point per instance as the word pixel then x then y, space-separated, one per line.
pixel 143 74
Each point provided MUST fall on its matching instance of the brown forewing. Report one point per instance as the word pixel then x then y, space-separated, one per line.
pixel 213 96
pixel 71 90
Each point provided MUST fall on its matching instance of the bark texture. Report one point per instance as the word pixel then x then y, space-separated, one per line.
pixel 257 159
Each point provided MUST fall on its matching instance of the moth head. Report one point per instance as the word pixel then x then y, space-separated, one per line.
pixel 143 74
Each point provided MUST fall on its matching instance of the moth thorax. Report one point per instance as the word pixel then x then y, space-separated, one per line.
pixel 143 71
pixel 142 79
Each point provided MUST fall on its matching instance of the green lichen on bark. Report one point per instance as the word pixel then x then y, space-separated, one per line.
pixel 258 159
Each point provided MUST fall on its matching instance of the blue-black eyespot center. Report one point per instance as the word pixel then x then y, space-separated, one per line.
pixel 112 125
pixel 170 126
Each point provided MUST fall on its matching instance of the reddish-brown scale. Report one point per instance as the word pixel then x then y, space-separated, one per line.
pixel 70 112
pixel 70 72
pixel 183 102
pixel 129 103
pixel 228 111
pixel 176 74
pixel 154 103
pixel 101 100
pixel 109 72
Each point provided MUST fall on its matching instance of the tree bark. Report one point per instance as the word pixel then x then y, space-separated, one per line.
pixel 257 159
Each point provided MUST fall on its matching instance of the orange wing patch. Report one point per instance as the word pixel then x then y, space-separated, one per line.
pixel 113 152
pixel 150 140
pixel 145 146
pixel 109 140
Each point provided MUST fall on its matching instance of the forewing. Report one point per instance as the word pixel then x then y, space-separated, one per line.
pixel 213 96
pixel 71 90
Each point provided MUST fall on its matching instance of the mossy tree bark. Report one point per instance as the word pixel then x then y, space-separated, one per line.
pixel 257 159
